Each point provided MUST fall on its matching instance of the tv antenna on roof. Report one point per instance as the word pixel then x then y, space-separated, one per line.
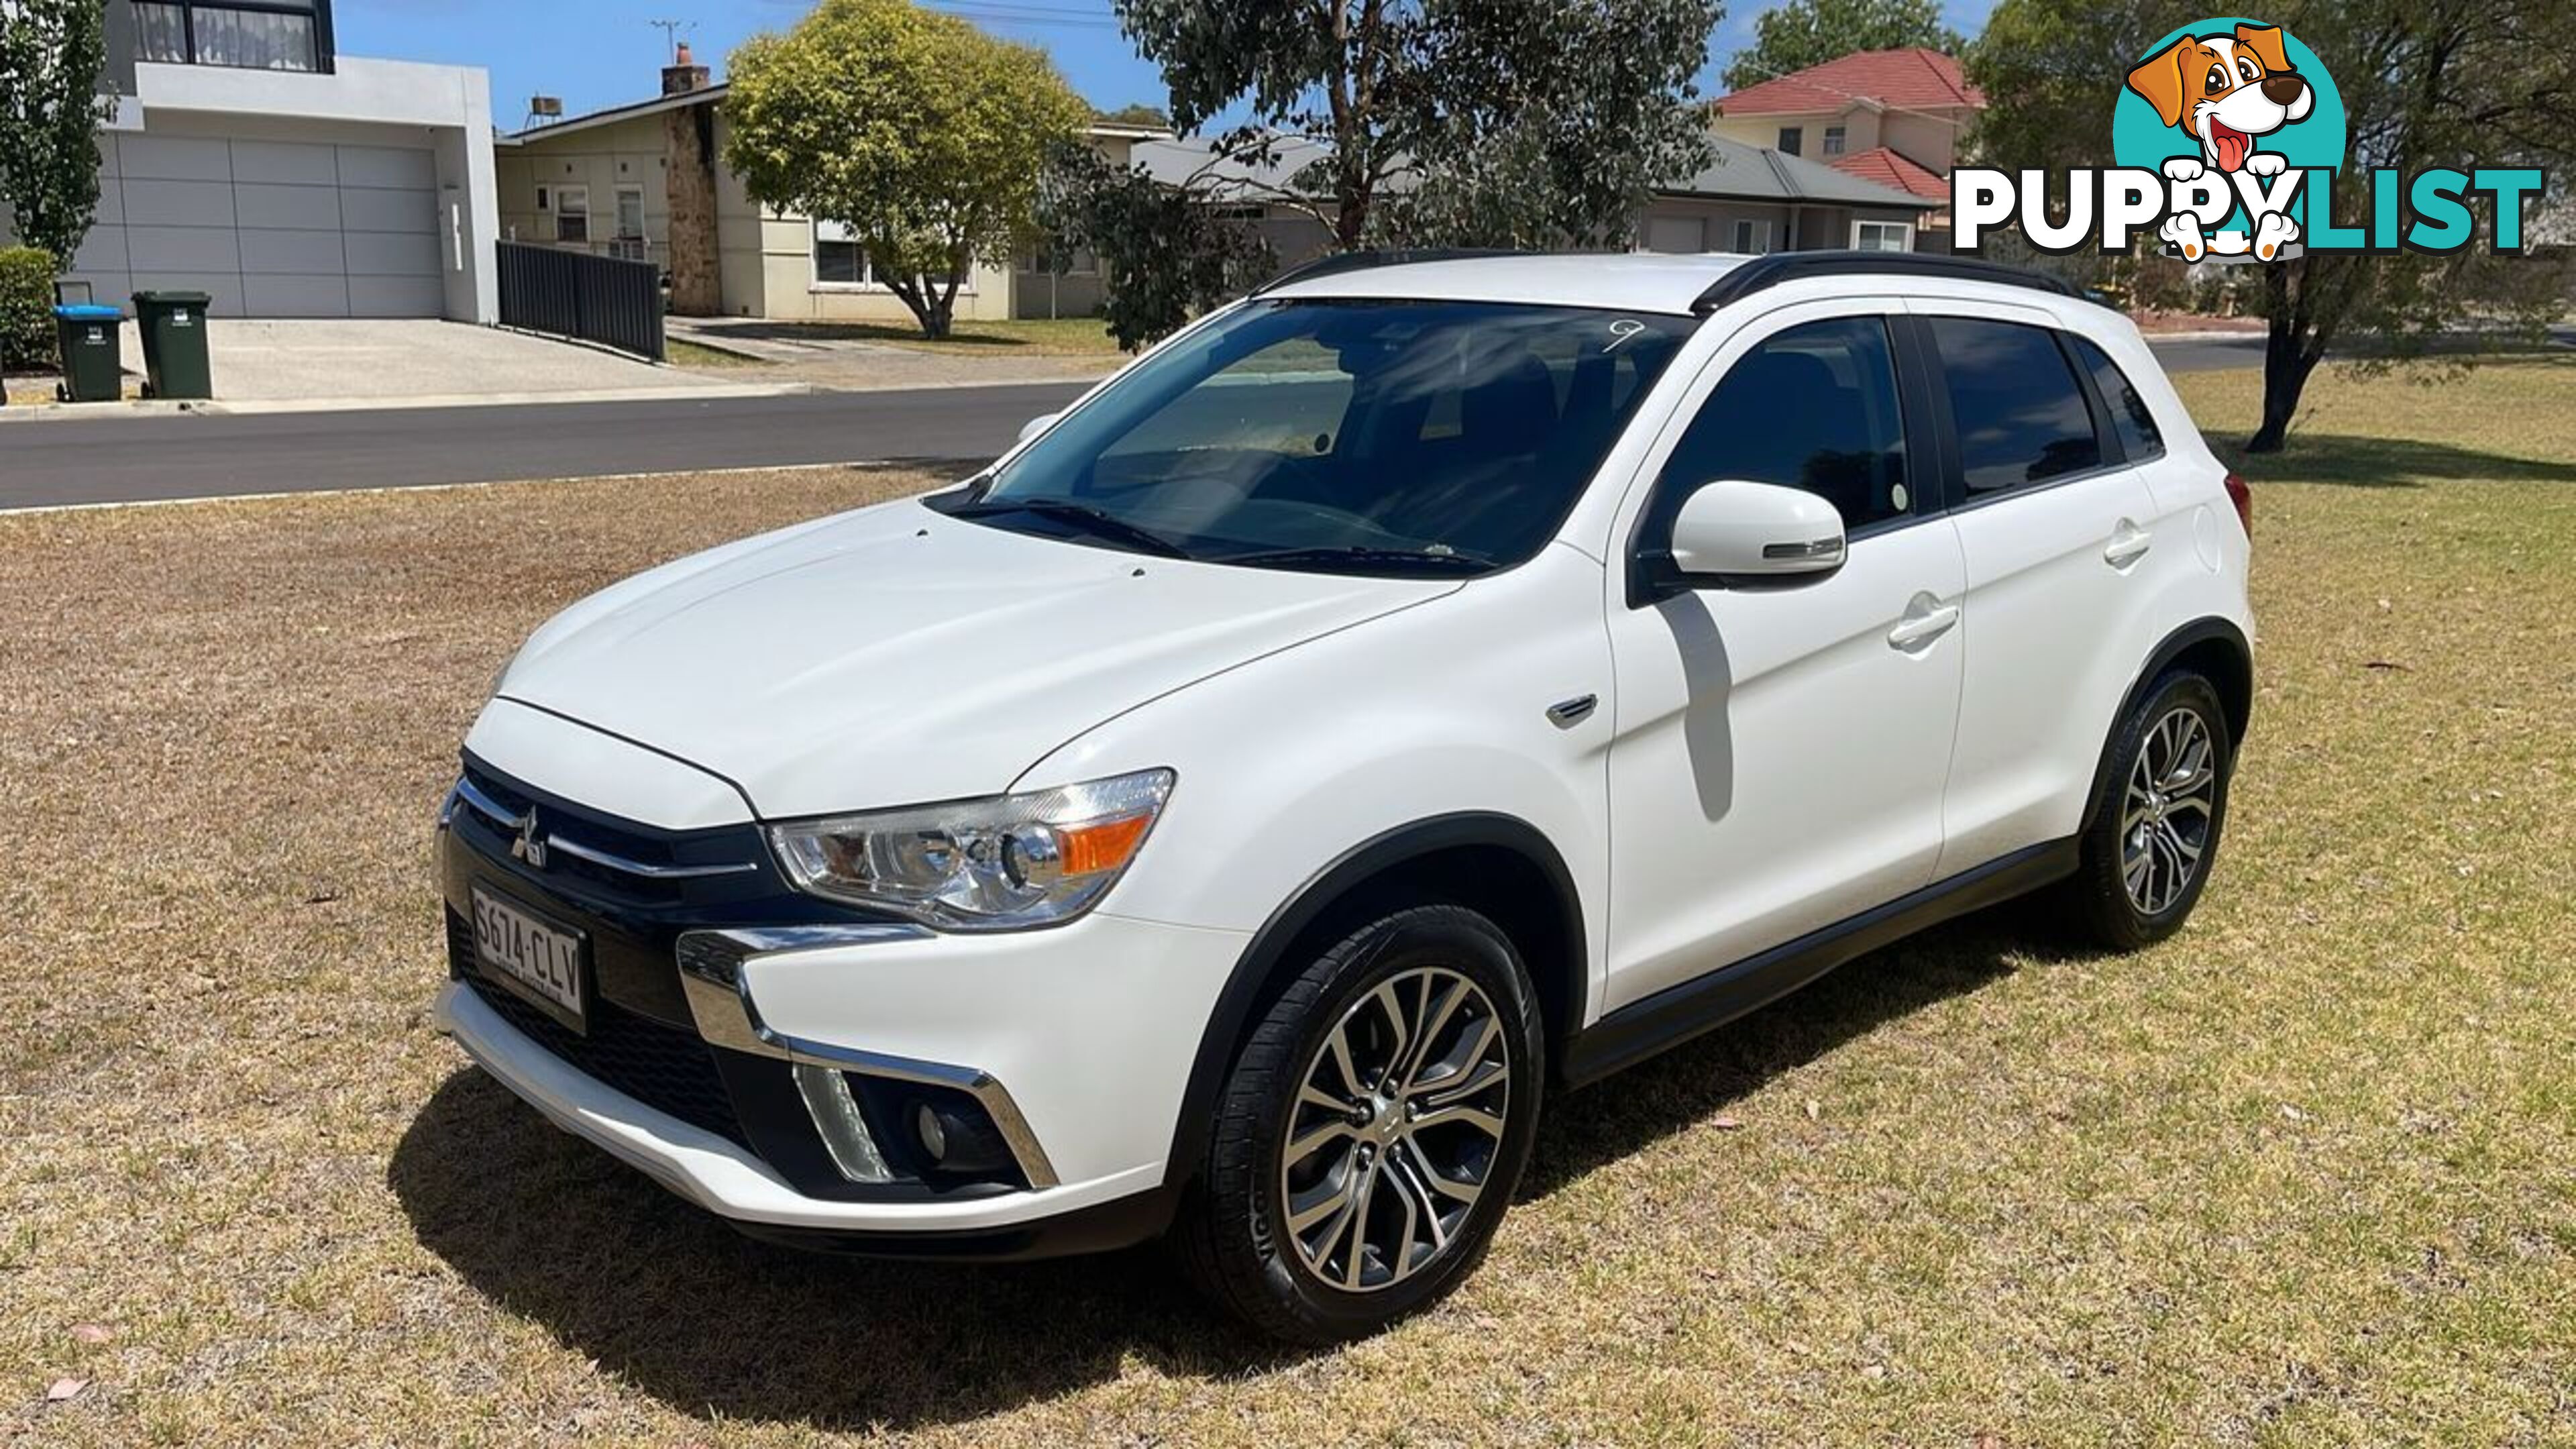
pixel 671 33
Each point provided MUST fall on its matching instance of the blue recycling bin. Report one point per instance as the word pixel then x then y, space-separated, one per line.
pixel 93 364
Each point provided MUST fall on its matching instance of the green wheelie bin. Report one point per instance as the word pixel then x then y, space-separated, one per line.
pixel 86 337
pixel 175 365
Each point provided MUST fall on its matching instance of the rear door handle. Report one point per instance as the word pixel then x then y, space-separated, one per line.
pixel 2129 543
pixel 1926 619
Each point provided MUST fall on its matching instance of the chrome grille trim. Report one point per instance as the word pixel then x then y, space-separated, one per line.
pixel 511 823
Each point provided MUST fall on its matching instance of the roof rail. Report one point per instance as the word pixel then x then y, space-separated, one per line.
pixel 1336 263
pixel 1775 268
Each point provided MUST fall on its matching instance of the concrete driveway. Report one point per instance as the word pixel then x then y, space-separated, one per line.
pixel 288 365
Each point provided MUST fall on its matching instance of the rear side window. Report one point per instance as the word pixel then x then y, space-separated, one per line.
pixel 2129 416
pixel 2021 414
pixel 1812 407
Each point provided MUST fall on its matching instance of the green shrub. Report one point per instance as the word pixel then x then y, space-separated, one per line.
pixel 26 308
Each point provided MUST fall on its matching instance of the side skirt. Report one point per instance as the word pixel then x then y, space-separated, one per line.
pixel 1678 1013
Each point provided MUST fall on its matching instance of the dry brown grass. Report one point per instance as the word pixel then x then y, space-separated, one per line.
pixel 2305 1175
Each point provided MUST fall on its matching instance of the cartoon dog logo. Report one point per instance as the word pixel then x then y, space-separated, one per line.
pixel 2226 92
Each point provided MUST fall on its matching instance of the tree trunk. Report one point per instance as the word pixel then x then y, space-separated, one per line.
pixel 2292 348
pixel 2285 376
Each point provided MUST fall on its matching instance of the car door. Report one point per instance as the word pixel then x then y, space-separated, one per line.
pixel 1780 752
pixel 2058 531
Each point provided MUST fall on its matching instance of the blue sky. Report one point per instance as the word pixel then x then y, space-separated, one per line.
pixel 599 53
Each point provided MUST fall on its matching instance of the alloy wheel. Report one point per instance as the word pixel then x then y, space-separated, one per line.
pixel 1395 1128
pixel 2166 814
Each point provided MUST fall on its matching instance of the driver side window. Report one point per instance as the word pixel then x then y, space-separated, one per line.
pixel 1812 407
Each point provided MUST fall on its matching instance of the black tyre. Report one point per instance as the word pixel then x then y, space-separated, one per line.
pixel 2155 825
pixel 1372 1131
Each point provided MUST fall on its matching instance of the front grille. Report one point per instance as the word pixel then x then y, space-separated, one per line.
pixel 663 1067
pixel 572 827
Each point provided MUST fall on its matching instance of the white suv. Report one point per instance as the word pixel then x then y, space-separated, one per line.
pixel 1430 683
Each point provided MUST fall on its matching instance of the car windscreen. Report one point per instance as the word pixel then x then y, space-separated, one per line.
pixel 1396 437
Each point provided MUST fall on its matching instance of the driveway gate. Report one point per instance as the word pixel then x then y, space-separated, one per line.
pixel 590 299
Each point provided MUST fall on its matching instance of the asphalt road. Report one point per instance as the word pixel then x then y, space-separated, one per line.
pixel 148 459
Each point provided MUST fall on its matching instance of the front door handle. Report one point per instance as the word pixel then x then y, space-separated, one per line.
pixel 2129 543
pixel 1925 620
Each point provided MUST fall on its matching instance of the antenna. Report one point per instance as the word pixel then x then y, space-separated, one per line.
pixel 671 33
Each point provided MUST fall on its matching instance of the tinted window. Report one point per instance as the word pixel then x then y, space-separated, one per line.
pixel 1813 407
pixel 2021 414
pixel 1430 436
pixel 2129 415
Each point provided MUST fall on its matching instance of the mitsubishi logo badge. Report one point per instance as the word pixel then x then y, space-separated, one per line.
pixel 530 846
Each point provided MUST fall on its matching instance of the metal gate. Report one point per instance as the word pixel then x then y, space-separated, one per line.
pixel 590 299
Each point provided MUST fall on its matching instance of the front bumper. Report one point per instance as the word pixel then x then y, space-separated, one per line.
pixel 1077 1040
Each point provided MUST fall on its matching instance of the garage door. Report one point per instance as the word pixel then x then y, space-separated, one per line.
pixel 270 228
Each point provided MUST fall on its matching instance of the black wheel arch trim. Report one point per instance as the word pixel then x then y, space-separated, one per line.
pixel 1260 967
pixel 2172 648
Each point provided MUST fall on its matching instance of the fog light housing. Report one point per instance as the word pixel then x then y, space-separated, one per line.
pixel 958 1139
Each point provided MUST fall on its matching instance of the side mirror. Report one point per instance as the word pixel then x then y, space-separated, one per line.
pixel 1737 534
pixel 1037 425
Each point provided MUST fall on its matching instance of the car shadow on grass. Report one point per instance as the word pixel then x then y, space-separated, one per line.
pixel 710 1323
pixel 1667 1095
pixel 2348 461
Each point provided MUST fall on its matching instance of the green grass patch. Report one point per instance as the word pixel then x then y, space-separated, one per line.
pixel 1041 337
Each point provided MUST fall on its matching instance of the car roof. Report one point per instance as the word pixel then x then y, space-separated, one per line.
pixel 1620 281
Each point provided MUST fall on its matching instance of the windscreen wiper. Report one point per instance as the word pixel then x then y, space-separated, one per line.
pixel 1082 516
pixel 1362 556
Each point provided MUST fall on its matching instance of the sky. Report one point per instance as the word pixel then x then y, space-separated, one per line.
pixel 600 53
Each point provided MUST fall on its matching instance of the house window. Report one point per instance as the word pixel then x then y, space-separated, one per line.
pixel 250 34
pixel 1882 236
pixel 1048 256
pixel 839 260
pixel 630 213
pixel 1752 238
pixel 542 201
pixel 572 214
pixel 1792 139
pixel 1833 140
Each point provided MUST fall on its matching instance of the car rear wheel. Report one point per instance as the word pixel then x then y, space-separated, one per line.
pixel 2155 827
pixel 1372 1131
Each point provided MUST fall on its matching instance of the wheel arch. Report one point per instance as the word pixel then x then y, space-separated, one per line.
pixel 2214 648
pixel 1497 864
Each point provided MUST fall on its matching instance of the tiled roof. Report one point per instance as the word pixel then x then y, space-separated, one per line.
pixel 1887 168
pixel 1912 79
pixel 1758 173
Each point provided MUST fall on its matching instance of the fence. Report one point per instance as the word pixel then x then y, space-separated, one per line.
pixel 591 299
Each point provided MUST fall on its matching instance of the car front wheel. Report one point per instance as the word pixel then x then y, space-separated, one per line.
pixel 1372 1131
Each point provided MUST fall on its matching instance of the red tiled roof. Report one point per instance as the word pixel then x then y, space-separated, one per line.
pixel 1914 78
pixel 1887 168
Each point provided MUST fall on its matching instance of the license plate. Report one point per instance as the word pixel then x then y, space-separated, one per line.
pixel 537 959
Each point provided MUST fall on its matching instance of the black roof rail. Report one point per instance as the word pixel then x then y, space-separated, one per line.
pixel 1775 268
pixel 1338 262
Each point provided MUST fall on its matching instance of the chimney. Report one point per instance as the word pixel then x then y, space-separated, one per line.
pixel 683 74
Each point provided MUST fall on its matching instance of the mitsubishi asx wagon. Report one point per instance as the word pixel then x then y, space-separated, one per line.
pixel 1427 685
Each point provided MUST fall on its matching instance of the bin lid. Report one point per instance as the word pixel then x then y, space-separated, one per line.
pixel 175 299
pixel 87 312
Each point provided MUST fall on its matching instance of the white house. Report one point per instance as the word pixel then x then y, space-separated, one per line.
pixel 249 160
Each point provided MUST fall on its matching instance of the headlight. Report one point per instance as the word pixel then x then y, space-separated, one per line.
pixel 981 865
